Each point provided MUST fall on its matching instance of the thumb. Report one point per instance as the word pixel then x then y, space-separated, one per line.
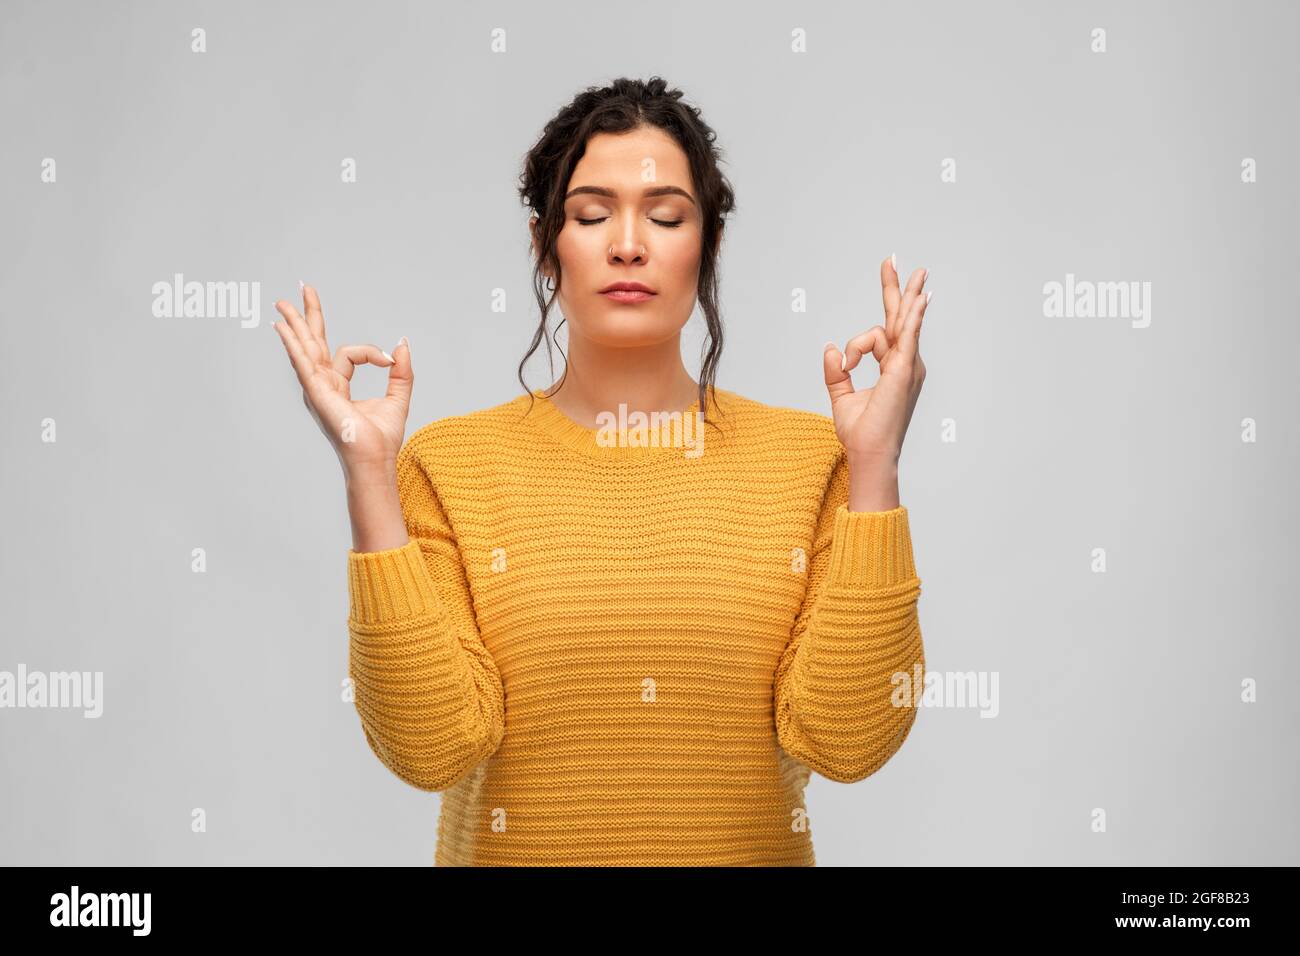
pixel 838 382
pixel 401 378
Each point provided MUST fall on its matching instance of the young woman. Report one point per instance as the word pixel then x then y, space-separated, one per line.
pixel 605 634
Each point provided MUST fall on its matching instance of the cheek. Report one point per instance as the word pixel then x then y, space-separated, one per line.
pixel 681 260
pixel 580 251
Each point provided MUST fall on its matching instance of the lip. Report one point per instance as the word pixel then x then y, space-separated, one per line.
pixel 628 292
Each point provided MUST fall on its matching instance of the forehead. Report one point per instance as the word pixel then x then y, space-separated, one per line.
pixel 614 159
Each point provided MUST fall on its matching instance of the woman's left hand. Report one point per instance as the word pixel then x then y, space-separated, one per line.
pixel 871 422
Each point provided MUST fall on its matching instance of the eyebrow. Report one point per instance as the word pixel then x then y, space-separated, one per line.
pixel 611 194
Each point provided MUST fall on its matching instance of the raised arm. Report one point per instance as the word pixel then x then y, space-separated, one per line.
pixel 426 689
pixel 857 639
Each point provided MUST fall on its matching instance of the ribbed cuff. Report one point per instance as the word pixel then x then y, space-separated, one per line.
pixel 872 548
pixel 393 585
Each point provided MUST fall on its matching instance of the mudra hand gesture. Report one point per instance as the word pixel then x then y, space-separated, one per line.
pixel 871 422
pixel 366 433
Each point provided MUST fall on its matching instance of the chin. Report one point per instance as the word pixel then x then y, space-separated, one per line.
pixel 626 327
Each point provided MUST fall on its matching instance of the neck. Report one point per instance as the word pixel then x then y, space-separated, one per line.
pixel 598 378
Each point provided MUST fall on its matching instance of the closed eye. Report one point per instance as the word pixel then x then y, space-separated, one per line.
pixel 661 222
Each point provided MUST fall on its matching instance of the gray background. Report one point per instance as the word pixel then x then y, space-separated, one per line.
pixel 222 690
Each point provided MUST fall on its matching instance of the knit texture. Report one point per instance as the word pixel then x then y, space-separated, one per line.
pixel 617 654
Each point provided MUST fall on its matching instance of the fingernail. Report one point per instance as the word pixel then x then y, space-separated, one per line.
pixel 828 345
pixel 402 341
pixel 925 275
pixel 387 356
pixel 844 359
pixel 893 262
pixel 301 284
pixel 927 298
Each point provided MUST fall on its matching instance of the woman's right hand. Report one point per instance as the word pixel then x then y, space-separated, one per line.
pixel 366 435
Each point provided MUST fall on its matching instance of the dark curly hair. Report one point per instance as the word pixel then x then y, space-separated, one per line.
pixel 624 105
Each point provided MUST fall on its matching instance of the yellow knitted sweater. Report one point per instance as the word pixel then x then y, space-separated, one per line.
pixel 609 653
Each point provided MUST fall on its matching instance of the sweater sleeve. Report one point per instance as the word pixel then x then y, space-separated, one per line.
pixel 427 690
pixel 835 682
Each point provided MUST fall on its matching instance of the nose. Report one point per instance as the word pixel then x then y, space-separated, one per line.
pixel 628 246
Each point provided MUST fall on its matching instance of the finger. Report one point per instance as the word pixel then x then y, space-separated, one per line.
pixel 873 340
pixel 302 363
pixel 348 357
pixel 300 329
pixel 315 317
pixel 914 284
pixel 401 377
pixel 910 339
pixel 838 382
pixel 890 292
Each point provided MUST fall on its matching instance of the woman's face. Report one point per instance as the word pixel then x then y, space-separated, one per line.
pixel 630 215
